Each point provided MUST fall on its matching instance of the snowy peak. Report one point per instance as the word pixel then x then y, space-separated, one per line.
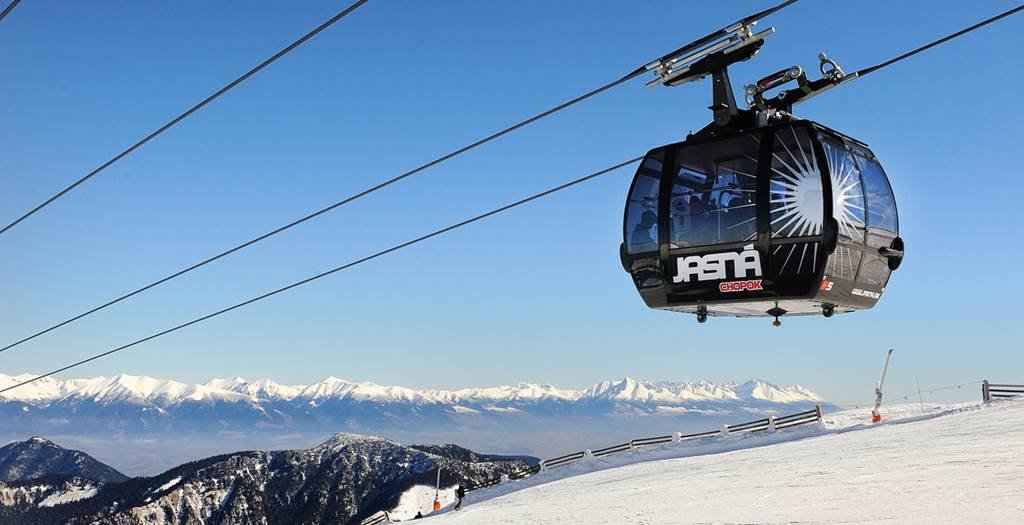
pixel 143 390
pixel 765 391
pixel 663 393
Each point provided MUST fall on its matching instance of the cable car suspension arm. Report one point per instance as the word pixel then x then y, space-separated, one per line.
pixel 832 75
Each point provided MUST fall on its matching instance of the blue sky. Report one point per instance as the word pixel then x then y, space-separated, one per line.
pixel 536 294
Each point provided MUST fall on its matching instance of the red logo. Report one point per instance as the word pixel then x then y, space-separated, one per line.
pixel 826 286
pixel 740 286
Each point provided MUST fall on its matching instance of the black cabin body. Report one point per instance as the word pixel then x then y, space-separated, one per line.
pixel 790 218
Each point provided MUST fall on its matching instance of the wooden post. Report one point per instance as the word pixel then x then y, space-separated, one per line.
pixel 985 396
pixel 817 408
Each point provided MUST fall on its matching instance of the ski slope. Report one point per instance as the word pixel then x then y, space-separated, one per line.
pixel 954 465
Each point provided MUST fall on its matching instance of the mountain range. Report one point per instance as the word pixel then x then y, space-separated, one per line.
pixel 132 422
pixel 341 480
pixel 168 394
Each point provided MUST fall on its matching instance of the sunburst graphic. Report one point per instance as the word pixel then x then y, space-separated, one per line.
pixel 847 208
pixel 847 193
pixel 797 208
pixel 797 203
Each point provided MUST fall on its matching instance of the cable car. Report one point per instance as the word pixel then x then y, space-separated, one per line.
pixel 760 213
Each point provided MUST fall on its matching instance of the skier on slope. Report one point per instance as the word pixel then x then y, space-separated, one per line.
pixel 460 493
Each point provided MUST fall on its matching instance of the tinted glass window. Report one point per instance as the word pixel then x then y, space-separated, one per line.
pixel 874 273
pixel 713 193
pixel 796 258
pixel 847 190
pixel 844 262
pixel 797 199
pixel 641 227
pixel 881 204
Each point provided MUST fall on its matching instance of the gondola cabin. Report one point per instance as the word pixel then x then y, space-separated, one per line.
pixel 790 218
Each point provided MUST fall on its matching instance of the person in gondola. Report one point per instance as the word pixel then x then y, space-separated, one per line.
pixel 642 236
pixel 460 493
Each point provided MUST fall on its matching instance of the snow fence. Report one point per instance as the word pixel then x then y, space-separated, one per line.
pixel 770 423
pixel 990 391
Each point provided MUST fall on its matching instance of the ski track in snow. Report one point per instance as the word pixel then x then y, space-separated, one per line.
pixel 958 464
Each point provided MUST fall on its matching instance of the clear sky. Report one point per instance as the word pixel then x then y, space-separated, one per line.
pixel 536 294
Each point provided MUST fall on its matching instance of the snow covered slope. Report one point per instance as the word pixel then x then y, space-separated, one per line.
pixel 961 465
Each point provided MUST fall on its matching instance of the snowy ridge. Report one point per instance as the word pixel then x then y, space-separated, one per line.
pixel 162 392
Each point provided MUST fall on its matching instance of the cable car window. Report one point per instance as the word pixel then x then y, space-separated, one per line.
pixel 847 191
pixel 642 211
pixel 874 272
pixel 881 203
pixel 843 263
pixel 713 193
pixel 797 198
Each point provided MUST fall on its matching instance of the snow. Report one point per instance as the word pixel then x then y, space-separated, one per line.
pixel 73 494
pixel 420 498
pixel 960 464
pixel 143 389
pixel 169 484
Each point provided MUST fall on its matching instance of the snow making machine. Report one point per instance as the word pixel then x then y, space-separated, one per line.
pixel 759 213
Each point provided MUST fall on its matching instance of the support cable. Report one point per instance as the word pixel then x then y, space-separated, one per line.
pixel 184 115
pixel 625 78
pixel 10 7
pixel 906 397
pixel 942 40
pixel 334 270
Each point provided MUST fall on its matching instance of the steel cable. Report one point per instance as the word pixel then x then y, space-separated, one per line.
pixel 185 115
pixel 334 270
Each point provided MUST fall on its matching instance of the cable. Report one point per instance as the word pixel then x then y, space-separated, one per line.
pixel 942 40
pixel 8 9
pixel 929 391
pixel 629 76
pixel 190 111
pixel 336 269
pixel 322 211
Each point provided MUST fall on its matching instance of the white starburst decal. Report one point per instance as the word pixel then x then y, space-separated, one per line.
pixel 796 195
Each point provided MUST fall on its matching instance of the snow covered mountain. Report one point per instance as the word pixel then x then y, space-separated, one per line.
pixel 39 457
pixel 128 421
pixel 342 480
pixel 142 390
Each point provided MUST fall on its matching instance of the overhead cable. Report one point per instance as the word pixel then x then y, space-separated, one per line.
pixel 10 7
pixel 333 270
pixel 942 40
pixel 625 78
pixel 184 115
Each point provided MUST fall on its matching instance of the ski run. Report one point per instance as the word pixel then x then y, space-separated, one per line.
pixel 947 464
